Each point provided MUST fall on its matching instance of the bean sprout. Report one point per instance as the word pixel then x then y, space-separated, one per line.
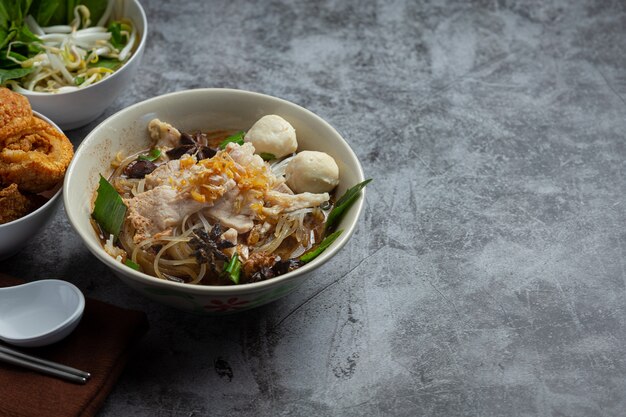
pixel 74 56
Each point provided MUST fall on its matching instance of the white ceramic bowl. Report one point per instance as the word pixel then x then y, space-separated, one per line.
pixel 39 313
pixel 77 108
pixel 203 109
pixel 16 234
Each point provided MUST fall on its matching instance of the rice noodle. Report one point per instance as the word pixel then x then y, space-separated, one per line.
pixel 168 254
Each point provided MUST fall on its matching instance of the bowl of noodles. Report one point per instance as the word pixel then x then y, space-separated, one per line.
pixel 214 200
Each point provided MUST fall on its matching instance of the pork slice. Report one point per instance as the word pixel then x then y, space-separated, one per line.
pixel 225 210
pixel 158 210
pixel 163 174
pixel 244 155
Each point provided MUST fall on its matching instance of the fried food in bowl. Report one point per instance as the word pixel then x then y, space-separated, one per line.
pixel 34 154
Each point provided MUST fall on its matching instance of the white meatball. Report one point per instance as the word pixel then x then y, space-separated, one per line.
pixel 272 134
pixel 312 171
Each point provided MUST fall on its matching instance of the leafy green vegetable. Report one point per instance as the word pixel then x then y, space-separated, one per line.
pixel 24 44
pixel 109 209
pixel 233 269
pixel 61 12
pixel 314 253
pixel 132 265
pixel 236 138
pixel 267 156
pixel 14 73
pixel 109 63
pixel 117 38
pixel 44 10
pixel 344 203
pixel 152 156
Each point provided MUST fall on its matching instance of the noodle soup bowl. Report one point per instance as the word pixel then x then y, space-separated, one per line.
pixel 205 110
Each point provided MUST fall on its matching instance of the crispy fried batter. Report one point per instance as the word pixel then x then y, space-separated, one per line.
pixel 14 204
pixel 15 112
pixel 35 158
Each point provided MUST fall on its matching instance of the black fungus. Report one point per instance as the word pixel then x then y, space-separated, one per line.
pixel 282 267
pixel 264 273
pixel 139 169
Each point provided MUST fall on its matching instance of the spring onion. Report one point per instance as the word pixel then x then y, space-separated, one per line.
pixel 152 156
pixel 267 156
pixel 109 209
pixel 233 269
pixel 132 265
pixel 314 253
pixel 344 203
pixel 236 138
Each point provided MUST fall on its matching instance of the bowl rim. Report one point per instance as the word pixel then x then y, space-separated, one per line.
pixel 239 289
pixel 58 187
pixel 142 44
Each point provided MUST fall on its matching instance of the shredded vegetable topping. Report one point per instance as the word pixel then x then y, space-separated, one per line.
pixel 63 58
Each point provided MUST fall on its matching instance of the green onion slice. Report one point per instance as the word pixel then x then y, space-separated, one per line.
pixel 132 265
pixel 233 269
pixel 109 210
pixel 314 253
pixel 344 203
pixel 236 138
pixel 152 156
pixel 267 156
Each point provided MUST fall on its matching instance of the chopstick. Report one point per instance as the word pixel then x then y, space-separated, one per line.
pixel 44 366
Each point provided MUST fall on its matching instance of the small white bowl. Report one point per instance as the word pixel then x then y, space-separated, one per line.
pixel 203 109
pixel 39 313
pixel 16 234
pixel 77 108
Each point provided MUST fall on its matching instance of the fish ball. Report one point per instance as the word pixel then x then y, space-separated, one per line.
pixel 272 134
pixel 312 171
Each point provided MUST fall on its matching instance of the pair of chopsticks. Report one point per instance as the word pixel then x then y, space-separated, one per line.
pixel 68 373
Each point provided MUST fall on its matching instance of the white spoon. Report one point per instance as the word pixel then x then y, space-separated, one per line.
pixel 39 313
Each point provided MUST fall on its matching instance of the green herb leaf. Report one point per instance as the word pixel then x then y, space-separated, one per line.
pixel 233 269
pixel 43 10
pixel 315 252
pixel 267 156
pixel 344 203
pixel 132 265
pixel 236 138
pixel 152 156
pixel 11 74
pixel 109 210
pixel 117 39
pixel 109 63
pixel 96 9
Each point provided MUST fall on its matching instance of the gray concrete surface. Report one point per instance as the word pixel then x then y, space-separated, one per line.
pixel 487 276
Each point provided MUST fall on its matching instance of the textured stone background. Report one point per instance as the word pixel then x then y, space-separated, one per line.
pixel 487 275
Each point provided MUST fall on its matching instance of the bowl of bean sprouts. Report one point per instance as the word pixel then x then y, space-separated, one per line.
pixel 80 68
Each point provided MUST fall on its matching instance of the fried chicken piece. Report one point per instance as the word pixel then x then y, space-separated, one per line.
pixel 14 204
pixel 15 113
pixel 35 158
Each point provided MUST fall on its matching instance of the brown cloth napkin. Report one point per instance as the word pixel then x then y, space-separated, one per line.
pixel 101 345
